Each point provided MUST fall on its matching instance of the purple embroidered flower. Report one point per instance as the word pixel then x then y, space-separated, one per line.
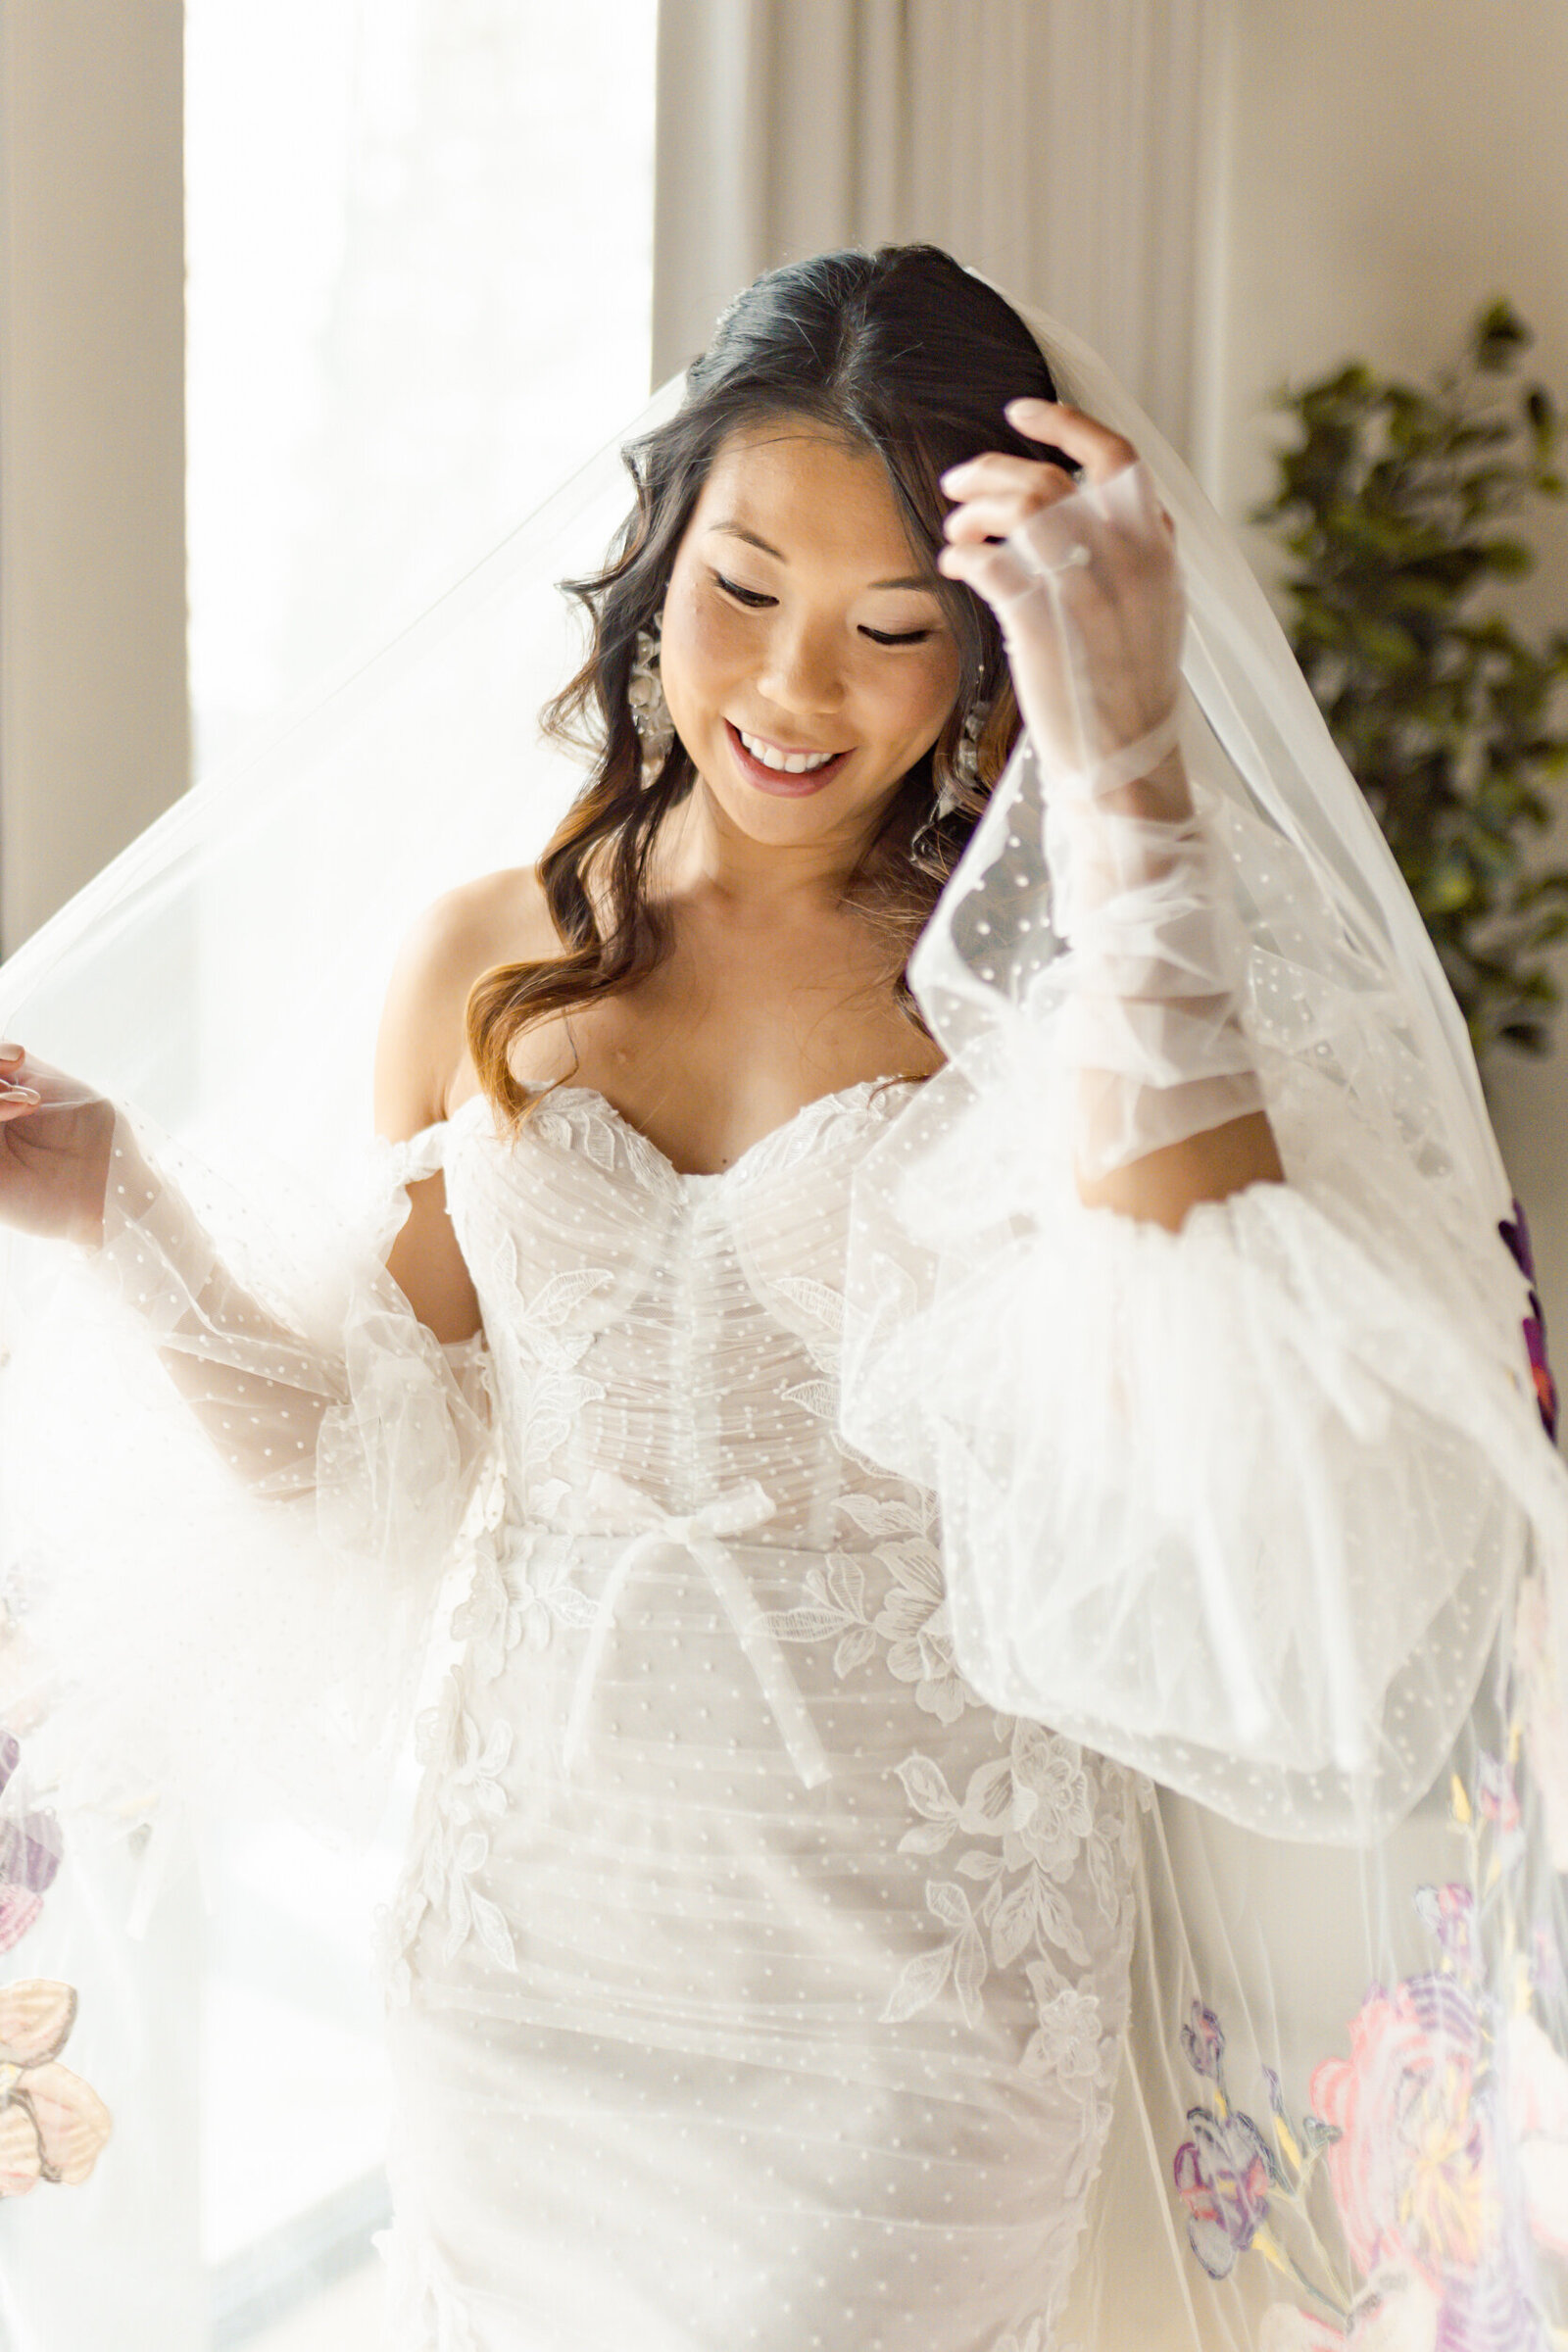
pixel 1545 1964
pixel 1449 1911
pixel 1489 2310
pixel 1442 2137
pixel 1496 1799
pixel 1203 2042
pixel 1516 1232
pixel 29 1857
pixel 1224 2174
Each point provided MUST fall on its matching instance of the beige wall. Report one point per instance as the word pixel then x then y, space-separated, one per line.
pixel 93 725
pixel 1392 164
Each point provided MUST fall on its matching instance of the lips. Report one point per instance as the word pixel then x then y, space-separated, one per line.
pixel 792 784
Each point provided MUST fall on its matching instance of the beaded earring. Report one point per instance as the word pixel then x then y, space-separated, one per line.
pixel 650 713
pixel 961 775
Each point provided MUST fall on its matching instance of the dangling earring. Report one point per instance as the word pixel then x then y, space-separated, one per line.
pixel 650 713
pixel 962 775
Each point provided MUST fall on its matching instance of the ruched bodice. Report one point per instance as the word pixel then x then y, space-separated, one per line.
pixel 755 1984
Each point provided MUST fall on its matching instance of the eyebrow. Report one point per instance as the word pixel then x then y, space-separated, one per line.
pixel 738 530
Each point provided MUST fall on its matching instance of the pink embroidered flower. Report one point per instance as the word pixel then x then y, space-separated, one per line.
pixel 1496 1799
pixel 52 2124
pixel 1449 1912
pixel 1410 2170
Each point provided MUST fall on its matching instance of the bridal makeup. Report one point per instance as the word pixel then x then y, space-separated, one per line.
pixel 805 655
pixel 774 767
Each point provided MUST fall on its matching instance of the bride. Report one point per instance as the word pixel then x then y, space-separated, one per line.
pixel 894 1409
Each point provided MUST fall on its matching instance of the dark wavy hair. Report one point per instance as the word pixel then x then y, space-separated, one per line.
pixel 903 353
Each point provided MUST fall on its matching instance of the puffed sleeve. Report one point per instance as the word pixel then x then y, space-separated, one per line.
pixel 237 1468
pixel 1240 1505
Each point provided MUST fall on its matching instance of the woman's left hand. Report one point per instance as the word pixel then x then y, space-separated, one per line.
pixel 1084 579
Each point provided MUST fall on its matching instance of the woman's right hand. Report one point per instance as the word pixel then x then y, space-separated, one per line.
pixel 55 1140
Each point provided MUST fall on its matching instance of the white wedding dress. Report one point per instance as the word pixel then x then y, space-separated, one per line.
pixel 754 1980
pixel 755 1984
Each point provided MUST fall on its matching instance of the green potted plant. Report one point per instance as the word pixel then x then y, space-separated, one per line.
pixel 1388 504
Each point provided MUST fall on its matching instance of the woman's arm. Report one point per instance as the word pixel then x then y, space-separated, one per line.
pixel 1169 1111
pixel 418 1051
pixel 1160 1186
pixel 1167 1183
pixel 238 1454
pixel 276 1376
pixel 422 1064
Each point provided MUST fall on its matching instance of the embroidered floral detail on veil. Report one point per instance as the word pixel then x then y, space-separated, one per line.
pixel 1442 2137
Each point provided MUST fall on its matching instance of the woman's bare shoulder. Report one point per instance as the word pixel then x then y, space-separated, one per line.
pixel 421 1050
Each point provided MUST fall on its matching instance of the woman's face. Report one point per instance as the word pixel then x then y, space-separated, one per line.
pixel 801 627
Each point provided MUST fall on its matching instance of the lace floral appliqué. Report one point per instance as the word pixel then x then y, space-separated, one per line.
pixel 467 1792
pixel 1032 1816
pixel 911 1620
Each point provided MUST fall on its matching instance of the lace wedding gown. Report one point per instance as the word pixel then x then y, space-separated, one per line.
pixel 778 1953
pixel 755 1984
pixel 755 1980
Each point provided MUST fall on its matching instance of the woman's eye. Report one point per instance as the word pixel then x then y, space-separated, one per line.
pixel 750 598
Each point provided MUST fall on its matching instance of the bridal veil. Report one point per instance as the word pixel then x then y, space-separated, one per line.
pixel 1263 1509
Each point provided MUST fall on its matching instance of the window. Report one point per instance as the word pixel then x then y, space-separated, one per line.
pixel 420 246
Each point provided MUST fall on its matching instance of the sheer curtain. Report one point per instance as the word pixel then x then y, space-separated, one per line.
pixel 421 246
pixel 1071 151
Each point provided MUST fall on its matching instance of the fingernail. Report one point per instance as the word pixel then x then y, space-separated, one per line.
pixel 954 473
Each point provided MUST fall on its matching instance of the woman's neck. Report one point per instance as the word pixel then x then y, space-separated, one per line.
pixel 704 855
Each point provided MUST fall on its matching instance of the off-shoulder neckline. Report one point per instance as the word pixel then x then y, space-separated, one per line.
pixel 778 1138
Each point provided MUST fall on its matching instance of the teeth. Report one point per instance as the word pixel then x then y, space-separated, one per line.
pixel 790 763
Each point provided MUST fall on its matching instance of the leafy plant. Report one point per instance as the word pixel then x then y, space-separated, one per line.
pixel 1389 506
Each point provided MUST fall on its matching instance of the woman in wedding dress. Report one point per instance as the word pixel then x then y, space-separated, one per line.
pixel 763 1968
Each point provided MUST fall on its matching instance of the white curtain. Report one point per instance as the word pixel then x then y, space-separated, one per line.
pixel 419 297
pixel 1070 149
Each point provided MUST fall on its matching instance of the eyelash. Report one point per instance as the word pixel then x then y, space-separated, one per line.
pixel 752 599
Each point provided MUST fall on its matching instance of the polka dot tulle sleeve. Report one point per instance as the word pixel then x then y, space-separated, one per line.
pixel 244 1463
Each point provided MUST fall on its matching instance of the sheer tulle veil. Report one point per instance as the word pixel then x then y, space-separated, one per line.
pixel 225 973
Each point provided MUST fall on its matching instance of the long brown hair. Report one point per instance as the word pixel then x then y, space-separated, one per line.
pixel 903 352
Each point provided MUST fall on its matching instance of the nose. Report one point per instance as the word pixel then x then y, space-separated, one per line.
pixel 801 668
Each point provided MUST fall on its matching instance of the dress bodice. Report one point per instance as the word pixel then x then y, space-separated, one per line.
pixel 707 1781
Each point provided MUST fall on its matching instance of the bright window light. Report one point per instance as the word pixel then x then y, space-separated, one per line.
pixel 420 250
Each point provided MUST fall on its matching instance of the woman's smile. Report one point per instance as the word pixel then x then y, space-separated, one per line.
pixel 808 656
pixel 779 768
